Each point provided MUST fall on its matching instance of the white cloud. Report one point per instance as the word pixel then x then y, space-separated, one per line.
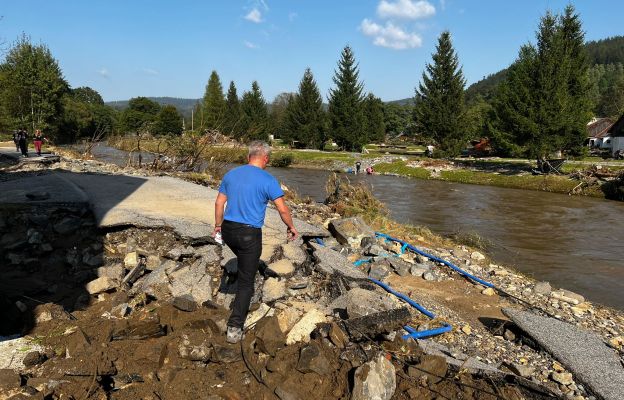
pixel 292 16
pixel 390 35
pixel 264 4
pixel 405 9
pixel 104 72
pixel 250 45
pixel 150 71
pixel 254 16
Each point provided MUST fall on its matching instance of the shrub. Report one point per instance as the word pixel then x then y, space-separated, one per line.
pixel 282 160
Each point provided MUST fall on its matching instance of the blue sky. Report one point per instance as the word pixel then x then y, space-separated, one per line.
pixel 132 48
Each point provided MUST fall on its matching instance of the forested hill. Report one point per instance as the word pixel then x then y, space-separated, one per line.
pixel 184 106
pixel 604 51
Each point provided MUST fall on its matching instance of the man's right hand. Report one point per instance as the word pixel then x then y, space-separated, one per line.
pixel 291 233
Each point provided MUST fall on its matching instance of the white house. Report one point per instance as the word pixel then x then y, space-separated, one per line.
pixel 616 135
pixel 598 133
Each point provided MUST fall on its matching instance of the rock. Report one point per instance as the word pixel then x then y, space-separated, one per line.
pixel 198 349
pixel 21 306
pixel 282 268
pixel 564 378
pixel 312 359
pixel 401 267
pixel 372 325
pixel 255 316
pixel 94 260
pixel 374 250
pixel 475 255
pixel 297 284
pixel 285 394
pixel 542 288
pixel 524 371
pixel 102 284
pixel 48 312
pixel 379 271
pixel 294 253
pixel 34 237
pixel 120 310
pixel 567 296
pixel 269 337
pixel 131 260
pixel 434 368
pixel 350 231
pixel 331 262
pixel 9 379
pixel 208 253
pixel 430 276
pixel 287 318
pixel 616 342
pixel 273 289
pixel 180 252
pixel 509 335
pixel 193 280
pixel 152 262
pixel 226 354
pixel 115 272
pixel 362 302
pixel 184 303
pixel 34 358
pixel 374 380
pixel 419 269
pixel 466 329
pixel 337 336
pixel 300 332
pixel 488 291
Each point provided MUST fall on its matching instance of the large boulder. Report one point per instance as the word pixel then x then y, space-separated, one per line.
pixel 350 231
pixel 361 302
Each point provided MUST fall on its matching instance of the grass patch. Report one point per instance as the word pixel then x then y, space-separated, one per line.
pixel 399 168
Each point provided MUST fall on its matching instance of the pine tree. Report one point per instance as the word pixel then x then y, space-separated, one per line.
pixel 214 103
pixel 305 118
pixel 232 112
pixel 439 111
pixel 579 107
pixel 254 115
pixel 346 116
pixel 374 119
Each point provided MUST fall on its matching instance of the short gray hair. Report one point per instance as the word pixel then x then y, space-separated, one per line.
pixel 258 148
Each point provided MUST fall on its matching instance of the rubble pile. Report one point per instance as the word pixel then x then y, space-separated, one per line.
pixel 132 313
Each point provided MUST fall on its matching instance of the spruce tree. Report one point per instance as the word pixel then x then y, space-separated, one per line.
pixel 214 103
pixel 346 116
pixel 374 119
pixel 232 123
pixel 305 118
pixel 579 105
pixel 439 110
pixel 254 115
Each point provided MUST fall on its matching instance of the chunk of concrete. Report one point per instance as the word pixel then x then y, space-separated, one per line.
pixel 300 332
pixel 282 268
pixel 331 262
pixel 102 284
pixel 582 352
pixel 374 380
pixel 273 289
pixel 350 231
pixel 312 359
pixel 361 302
pixel 294 253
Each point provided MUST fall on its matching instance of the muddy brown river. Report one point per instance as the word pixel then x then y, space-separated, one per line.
pixel 573 242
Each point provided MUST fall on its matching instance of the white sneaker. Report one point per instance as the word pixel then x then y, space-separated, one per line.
pixel 233 335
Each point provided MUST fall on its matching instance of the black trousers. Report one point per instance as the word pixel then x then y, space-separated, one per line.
pixel 246 242
pixel 23 147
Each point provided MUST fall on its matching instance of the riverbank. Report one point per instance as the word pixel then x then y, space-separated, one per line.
pixel 599 179
pixel 481 332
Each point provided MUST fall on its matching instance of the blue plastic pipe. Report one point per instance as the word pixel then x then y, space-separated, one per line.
pixel 434 258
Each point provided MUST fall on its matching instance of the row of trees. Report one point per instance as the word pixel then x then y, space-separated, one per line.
pixel 146 116
pixel 352 119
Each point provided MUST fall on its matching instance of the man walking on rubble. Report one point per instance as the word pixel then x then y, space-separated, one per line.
pixel 247 190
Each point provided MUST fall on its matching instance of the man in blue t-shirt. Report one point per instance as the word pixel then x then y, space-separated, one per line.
pixel 247 191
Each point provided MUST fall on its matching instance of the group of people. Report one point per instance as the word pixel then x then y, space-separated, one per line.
pixel 369 170
pixel 20 138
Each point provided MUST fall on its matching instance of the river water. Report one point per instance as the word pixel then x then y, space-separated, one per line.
pixel 573 242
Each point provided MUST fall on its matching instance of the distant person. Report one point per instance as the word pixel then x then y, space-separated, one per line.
pixel 369 170
pixel 16 135
pixel 358 165
pixel 429 152
pixel 38 141
pixel 247 190
pixel 23 142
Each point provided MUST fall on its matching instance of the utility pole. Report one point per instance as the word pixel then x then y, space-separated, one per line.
pixel 192 114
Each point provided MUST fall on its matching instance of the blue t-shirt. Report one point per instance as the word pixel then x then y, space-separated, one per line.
pixel 248 190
